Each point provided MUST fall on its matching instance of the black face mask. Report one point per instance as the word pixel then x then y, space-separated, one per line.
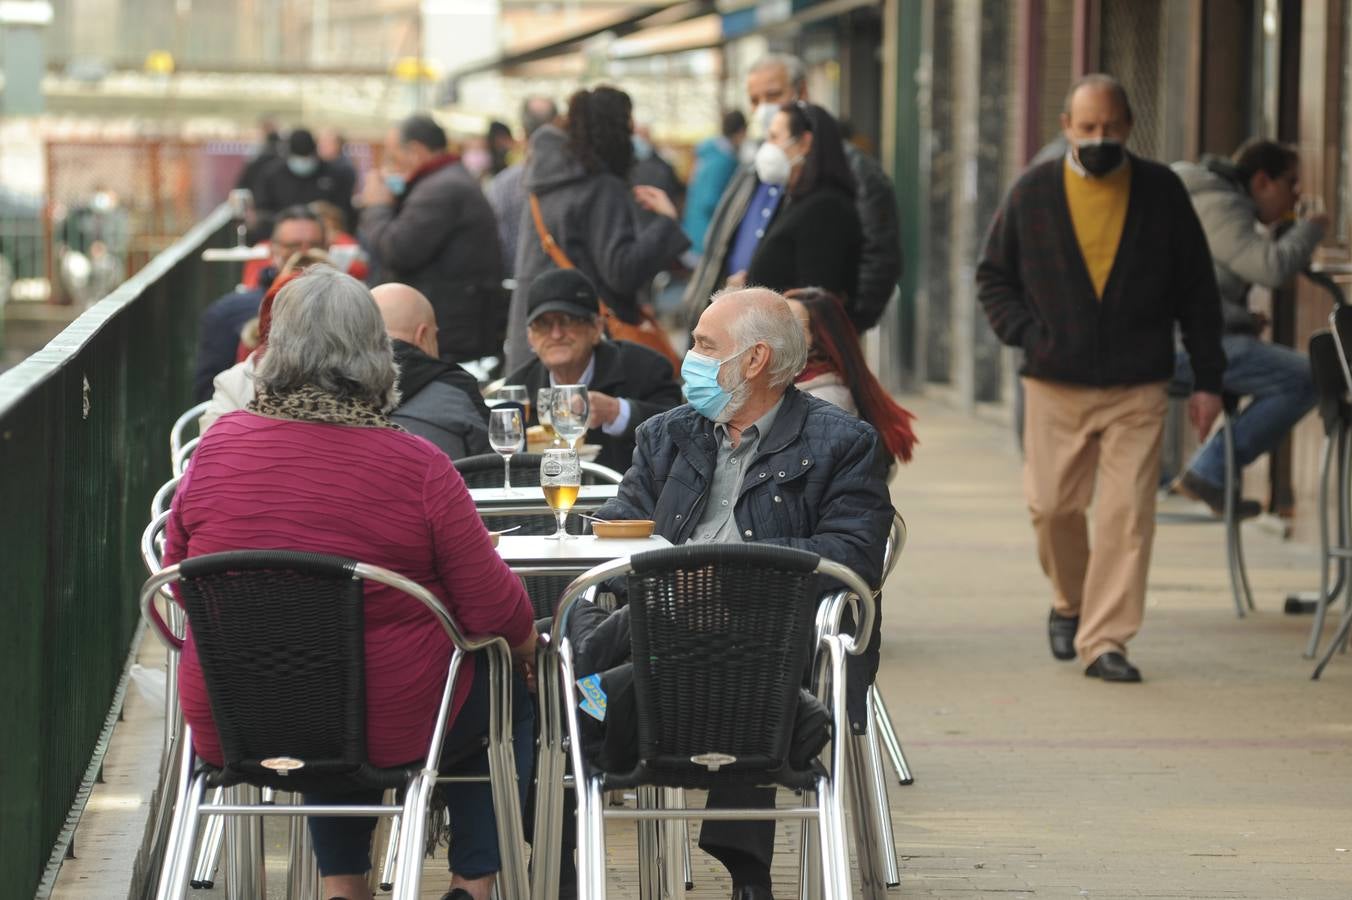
pixel 1100 157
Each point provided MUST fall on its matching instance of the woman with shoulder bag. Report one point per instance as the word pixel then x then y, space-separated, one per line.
pixel 583 214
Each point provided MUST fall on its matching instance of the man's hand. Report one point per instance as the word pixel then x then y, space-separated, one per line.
pixel 604 409
pixel 654 200
pixel 1203 408
pixel 374 191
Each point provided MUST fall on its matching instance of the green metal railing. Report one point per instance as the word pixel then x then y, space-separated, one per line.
pixel 84 443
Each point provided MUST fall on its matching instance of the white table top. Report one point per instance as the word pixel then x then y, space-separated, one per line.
pixel 578 554
pixel 496 501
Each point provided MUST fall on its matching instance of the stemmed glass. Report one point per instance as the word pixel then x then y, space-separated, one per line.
pixel 560 478
pixel 544 402
pixel 504 435
pixel 569 412
pixel 515 393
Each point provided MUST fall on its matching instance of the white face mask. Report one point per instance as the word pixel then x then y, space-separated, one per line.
pixel 773 165
pixel 761 117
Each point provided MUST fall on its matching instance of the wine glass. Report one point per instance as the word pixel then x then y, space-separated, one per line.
pixel 515 393
pixel 544 401
pixel 560 478
pixel 504 435
pixel 569 412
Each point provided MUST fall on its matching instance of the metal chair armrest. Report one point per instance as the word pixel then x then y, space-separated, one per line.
pixel 864 604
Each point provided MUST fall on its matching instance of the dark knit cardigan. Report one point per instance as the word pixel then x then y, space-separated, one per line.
pixel 1035 288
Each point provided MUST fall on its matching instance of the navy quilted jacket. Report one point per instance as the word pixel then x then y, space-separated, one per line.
pixel 818 482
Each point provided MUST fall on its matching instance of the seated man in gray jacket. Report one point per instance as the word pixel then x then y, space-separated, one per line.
pixel 439 401
pixel 1258 186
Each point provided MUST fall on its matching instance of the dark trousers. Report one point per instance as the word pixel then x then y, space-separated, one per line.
pixel 343 845
pixel 755 839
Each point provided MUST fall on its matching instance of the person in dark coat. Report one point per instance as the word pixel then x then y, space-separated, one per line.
pixel 773 82
pixel 269 150
pixel 438 400
pixel 301 177
pixel 579 174
pixel 811 235
pixel 752 459
pixel 439 236
pixel 297 230
pixel 627 383
pixel 652 168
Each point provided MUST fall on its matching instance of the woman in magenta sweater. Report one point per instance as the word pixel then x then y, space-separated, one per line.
pixel 315 464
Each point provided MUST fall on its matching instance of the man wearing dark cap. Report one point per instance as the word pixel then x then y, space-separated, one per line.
pixel 301 177
pixel 628 383
pixel 428 226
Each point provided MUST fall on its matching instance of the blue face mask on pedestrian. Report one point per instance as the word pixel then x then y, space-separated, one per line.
pixel 702 389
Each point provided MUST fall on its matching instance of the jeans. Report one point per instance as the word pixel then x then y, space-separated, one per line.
pixel 343 845
pixel 1277 378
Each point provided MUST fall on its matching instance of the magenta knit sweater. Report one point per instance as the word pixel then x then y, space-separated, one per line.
pixel 376 495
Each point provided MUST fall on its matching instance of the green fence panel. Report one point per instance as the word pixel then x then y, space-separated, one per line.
pixel 84 444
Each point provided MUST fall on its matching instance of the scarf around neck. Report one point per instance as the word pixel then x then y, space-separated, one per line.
pixel 308 403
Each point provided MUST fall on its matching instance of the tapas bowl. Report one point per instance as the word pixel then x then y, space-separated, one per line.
pixel 631 529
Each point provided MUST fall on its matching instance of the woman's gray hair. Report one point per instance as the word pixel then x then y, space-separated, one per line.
pixel 767 318
pixel 327 332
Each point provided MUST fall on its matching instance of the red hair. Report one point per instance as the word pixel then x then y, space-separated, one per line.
pixel 835 347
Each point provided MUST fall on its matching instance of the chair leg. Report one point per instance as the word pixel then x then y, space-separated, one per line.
pixel 879 803
pixel 387 868
pixel 178 847
pixel 300 883
pixel 810 857
pixel 686 871
pixel 209 856
pixel 503 777
pixel 1344 629
pixel 673 840
pixel 888 734
pixel 1234 550
pixel 835 869
pixel 413 836
pixel 244 848
pixel 550 766
pixel 595 826
pixel 867 824
pixel 1321 605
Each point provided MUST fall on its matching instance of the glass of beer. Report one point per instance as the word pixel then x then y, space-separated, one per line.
pixel 518 394
pixel 560 479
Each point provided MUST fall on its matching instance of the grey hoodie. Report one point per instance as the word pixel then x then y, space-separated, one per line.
pixel 594 220
pixel 1242 254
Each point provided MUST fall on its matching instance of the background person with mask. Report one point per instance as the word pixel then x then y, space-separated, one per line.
pixel 1089 263
pixel 300 177
pixel 427 224
pixel 772 82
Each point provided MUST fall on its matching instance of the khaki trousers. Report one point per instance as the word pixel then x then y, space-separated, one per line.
pixel 1102 445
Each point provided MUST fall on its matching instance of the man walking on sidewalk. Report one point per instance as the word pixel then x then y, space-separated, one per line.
pixel 1089 262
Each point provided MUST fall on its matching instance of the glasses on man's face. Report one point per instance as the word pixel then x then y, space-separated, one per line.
pixel 547 323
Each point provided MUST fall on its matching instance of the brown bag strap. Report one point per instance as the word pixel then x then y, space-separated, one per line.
pixel 555 252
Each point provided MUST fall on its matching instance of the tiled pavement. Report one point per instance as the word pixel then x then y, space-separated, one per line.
pixel 1227 774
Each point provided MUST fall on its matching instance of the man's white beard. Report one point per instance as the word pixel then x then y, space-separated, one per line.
pixel 739 398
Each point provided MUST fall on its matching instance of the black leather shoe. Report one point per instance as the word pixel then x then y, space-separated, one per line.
pixel 1113 666
pixel 1061 632
pixel 752 892
pixel 1196 488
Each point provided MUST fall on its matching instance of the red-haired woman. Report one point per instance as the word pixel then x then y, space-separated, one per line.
pixel 836 370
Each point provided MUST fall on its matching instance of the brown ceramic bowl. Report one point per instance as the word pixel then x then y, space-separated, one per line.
pixel 632 529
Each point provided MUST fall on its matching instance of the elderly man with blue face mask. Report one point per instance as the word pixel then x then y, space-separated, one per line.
pixel 751 458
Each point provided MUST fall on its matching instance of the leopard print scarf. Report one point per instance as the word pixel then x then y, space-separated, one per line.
pixel 310 404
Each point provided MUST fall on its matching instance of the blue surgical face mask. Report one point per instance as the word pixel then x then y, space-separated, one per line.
pixel 396 183
pixel 302 166
pixel 642 149
pixel 702 389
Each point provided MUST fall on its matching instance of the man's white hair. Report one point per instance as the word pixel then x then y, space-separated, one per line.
pixel 766 317
pixel 791 64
